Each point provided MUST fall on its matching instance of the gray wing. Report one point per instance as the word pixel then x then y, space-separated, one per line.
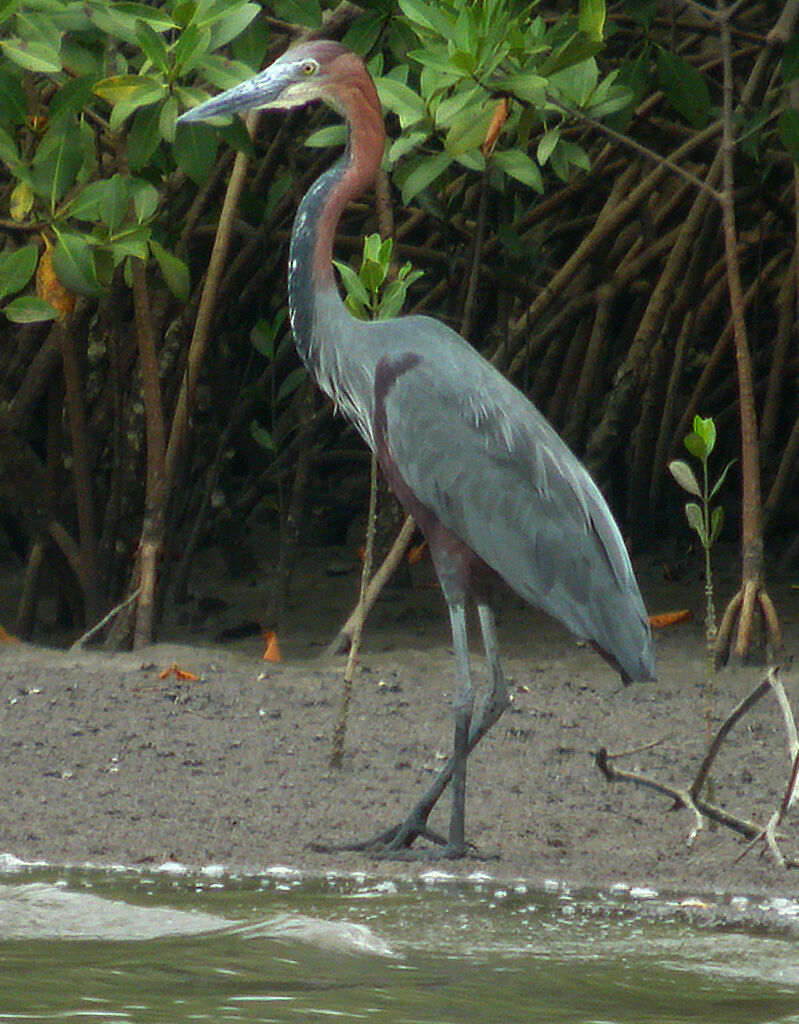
pixel 479 455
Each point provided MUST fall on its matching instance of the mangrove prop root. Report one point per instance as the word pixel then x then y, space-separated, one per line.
pixel 690 797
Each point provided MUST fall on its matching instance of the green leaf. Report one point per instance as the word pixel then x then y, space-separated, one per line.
pixel 528 87
pixel 114 201
pixel 706 429
pixel 716 523
pixel 16 269
pixel 546 144
pixel 362 35
pixel 145 199
pixel 8 149
pixel 262 436
pixel 263 336
pixel 405 144
pixel 395 294
pixel 373 275
pixel 8 8
pixel 418 175
pixel 86 204
pixel 685 477
pixel 464 36
pixel 788 131
pixel 20 202
pixel 463 62
pixel 29 309
pixel 575 85
pixel 135 90
pixel 232 24
pixel 574 51
pixel 591 18
pixel 429 16
pixel 57 161
pixel 13 106
pixel 167 118
pixel 195 148
pixel 353 285
pixel 252 46
pixel 291 382
pixel 175 271
pixel 402 101
pixel 118 20
pixel 224 73
pixel 133 241
pixel 520 166
pixel 300 12
pixel 73 262
pixel 143 136
pixel 153 46
pixel 72 97
pixel 468 130
pixel 696 446
pixel 159 17
pixel 685 88
pixel 191 48
pixel 568 155
pixel 32 55
pixel 720 482
pixel 331 135
pixel 465 96
pixel 693 513
pixel 438 61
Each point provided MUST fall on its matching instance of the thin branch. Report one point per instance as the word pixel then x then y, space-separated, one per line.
pixel 638 147
pixel 724 729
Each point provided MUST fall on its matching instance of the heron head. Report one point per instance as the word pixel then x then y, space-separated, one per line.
pixel 311 71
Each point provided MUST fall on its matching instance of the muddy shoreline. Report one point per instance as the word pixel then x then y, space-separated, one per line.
pixel 105 762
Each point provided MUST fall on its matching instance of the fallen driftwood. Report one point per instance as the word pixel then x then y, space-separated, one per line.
pixel 691 797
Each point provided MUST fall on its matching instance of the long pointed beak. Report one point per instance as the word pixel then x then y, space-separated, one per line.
pixel 255 93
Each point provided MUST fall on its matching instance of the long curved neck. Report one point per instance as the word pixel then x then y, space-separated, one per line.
pixel 311 279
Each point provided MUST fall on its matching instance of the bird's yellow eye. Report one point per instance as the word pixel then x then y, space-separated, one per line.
pixel 309 67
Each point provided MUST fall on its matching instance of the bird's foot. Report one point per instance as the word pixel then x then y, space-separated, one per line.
pixel 396 843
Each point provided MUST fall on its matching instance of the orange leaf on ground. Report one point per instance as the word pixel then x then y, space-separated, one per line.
pixel 272 652
pixel 179 673
pixel 670 618
pixel 7 638
pixel 416 553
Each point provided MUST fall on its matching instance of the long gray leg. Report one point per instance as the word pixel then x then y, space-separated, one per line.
pixel 396 840
pixel 462 700
pixel 497 699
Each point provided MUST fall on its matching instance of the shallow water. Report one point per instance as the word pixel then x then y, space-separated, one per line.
pixel 166 946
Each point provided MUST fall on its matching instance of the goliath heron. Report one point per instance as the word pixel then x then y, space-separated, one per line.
pixel 493 488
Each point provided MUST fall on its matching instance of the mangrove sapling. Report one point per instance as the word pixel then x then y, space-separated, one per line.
pixel 372 294
pixel 707 522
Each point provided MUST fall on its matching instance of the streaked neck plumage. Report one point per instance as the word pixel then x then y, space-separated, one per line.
pixel 311 282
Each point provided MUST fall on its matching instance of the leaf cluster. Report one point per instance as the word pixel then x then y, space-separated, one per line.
pixel 706 521
pixel 370 293
pixel 444 91
pixel 89 97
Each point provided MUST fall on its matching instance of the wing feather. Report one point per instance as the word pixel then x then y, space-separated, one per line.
pixel 480 456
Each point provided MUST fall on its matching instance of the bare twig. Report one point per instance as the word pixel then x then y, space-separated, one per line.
pixel 340 731
pixel 205 312
pixel 84 638
pixel 342 640
pixel 701 808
